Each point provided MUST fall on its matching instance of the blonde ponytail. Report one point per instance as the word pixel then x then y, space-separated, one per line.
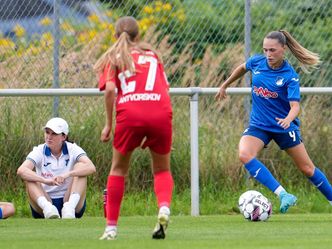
pixel 308 60
pixel 119 54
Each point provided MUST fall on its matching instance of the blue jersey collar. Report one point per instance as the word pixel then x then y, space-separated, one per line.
pixel 276 69
pixel 47 150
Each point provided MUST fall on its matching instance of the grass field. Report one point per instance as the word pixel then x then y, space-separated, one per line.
pixel 224 231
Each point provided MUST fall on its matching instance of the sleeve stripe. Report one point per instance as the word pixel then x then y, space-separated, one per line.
pixel 80 155
pixel 33 161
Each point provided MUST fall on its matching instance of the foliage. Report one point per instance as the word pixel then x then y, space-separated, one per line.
pixel 310 28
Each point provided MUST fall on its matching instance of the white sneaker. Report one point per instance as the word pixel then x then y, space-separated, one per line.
pixel 109 235
pixel 67 212
pixel 51 212
pixel 159 231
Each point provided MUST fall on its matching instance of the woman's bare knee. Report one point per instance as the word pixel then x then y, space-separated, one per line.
pixel 245 156
pixel 307 169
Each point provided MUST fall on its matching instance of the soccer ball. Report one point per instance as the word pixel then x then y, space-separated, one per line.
pixel 254 206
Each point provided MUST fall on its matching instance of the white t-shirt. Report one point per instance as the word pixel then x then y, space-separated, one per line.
pixel 48 166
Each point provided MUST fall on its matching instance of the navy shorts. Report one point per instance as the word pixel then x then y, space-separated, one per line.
pixel 58 202
pixel 285 140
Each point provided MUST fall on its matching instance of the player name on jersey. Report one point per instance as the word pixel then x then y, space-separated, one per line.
pixel 140 97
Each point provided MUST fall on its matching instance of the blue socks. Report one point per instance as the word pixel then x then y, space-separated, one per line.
pixel 258 171
pixel 0 213
pixel 321 182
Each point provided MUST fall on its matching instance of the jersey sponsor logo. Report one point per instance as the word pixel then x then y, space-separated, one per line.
pixel 265 93
pixel 46 174
pixel 279 81
pixel 140 97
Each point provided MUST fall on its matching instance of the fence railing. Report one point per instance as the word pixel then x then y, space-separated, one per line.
pixel 193 92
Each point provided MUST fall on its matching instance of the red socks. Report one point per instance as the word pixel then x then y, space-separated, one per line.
pixel 115 191
pixel 163 188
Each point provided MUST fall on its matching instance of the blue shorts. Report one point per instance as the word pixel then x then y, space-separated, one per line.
pixel 285 140
pixel 58 202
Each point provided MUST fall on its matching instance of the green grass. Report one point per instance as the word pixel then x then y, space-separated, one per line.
pixel 224 231
pixel 212 201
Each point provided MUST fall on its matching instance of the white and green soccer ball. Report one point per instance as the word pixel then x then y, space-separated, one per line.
pixel 255 206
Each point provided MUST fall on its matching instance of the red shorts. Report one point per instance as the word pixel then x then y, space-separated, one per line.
pixel 157 137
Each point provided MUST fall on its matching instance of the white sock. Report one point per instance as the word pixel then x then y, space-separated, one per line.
pixel 279 190
pixel 330 202
pixel 164 210
pixel 74 198
pixel 110 228
pixel 43 202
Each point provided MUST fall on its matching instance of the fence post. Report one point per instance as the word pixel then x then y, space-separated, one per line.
pixel 247 44
pixel 56 49
pixel 247 36
pixel 194 150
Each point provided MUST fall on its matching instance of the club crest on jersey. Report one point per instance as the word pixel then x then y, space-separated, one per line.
pixel 265 93
pixel 280 81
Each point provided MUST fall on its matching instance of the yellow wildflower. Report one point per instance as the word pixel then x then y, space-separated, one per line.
pixel 86 36
pixel 92 34
pixel 19 30
pixel 111 28
pixel 148 10
pixel 181 15
pixel 67 27
pixel 83 37
pixel 145 23
pixel 167 7
pixel 159 3
pixel 46 39
pixel 33 50
pixel 93 19
pixel 45 21
pixel 104 25
pixel 109 13
pixel 6 44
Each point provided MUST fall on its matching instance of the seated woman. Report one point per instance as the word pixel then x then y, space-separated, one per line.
pixel 58 183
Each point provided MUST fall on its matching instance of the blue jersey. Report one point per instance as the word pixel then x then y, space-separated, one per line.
pixel 272 90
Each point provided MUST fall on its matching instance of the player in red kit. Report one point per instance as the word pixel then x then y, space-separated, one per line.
pixel 143 118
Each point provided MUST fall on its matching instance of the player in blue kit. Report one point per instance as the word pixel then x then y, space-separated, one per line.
pixel 7 209
pixel 275 92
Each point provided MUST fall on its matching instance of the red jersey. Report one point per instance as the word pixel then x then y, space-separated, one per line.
pixel 143 94
pixel 143 105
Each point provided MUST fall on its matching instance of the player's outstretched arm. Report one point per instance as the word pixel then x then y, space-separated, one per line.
pixel 236 74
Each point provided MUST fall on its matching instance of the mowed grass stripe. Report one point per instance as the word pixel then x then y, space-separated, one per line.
pixel 185 232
